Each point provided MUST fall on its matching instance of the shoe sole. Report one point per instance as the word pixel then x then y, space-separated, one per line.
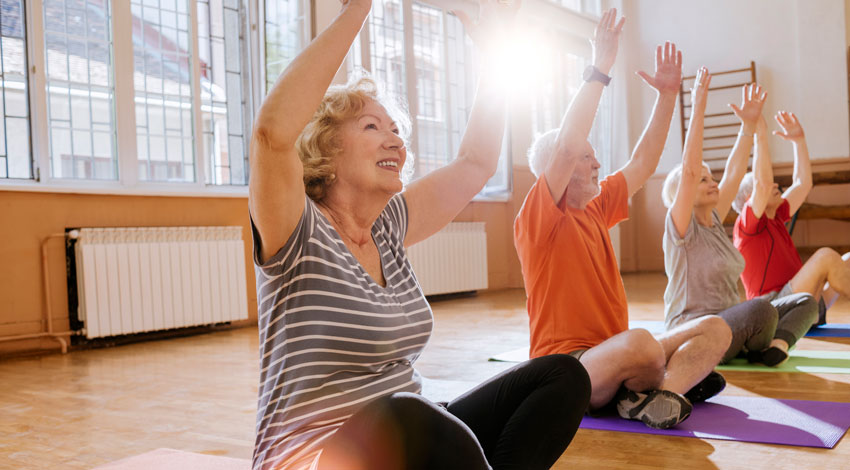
pixel 640 412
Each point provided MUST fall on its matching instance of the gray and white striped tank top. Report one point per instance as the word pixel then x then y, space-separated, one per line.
pixel 331 338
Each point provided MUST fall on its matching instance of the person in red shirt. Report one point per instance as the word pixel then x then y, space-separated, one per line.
pixel 576 299
pixel 774 268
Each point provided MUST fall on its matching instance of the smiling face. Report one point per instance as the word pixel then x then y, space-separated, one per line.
pixel 707 190
pixel 584 183
pixel 373 153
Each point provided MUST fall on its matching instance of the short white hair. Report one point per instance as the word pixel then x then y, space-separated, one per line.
pixel 745 190
pixel 541 151
pixel 671 184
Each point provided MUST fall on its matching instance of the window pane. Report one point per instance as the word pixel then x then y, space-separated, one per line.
pixel 163 84
pixel 80 92
pixel 222 101
pixel 15 161
pixel 285 35
pixel 386 40
pixel 432 124
pixel 557 88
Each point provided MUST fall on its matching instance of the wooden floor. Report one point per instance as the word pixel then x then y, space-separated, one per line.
pixel 199 394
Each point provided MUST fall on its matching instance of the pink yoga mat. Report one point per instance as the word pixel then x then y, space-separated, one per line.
pixel 171 459
pixel 750 419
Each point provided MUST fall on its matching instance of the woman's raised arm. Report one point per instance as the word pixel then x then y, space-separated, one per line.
pixel 276 189
pixel 683 204
pixel 433 201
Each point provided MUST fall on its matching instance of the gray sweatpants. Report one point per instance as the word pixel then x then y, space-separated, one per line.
pixel 756 322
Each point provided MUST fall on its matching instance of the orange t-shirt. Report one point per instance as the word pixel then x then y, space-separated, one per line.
pixel 576 298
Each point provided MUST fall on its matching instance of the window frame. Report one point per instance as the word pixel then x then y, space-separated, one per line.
pixel 501 194
pixel 128 182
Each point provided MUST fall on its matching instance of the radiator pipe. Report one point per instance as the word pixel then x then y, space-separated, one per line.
pixel 47 317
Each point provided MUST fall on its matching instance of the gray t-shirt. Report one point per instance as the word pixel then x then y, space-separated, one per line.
pixel 702 269
pixel 331 338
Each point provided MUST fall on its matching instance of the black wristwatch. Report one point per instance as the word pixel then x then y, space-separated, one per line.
pixel 592 74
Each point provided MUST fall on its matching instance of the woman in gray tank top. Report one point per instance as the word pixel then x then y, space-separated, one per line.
pixel 702 264
pixel 341 315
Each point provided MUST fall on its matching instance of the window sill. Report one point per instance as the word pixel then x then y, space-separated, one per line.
pixel 502 196
pixel 113 188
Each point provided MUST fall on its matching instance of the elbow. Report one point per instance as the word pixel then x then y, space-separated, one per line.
pixel 267 136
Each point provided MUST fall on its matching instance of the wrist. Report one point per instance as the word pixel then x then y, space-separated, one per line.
pixel 606 69
pixel 747 128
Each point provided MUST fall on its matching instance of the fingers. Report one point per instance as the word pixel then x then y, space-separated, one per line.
pixel 646 77
pixel 679 59
pixel 659 57
pixel 620 24
pixel 735 109
pixel 603 22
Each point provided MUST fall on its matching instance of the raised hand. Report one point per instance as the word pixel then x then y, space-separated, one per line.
pixel 606 40
pixel 752 102
pixel 668 70
pixel 699 93
pixel 792 130
pixel 495 19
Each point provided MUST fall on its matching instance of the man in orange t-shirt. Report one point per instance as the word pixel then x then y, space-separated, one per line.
pixel 576 300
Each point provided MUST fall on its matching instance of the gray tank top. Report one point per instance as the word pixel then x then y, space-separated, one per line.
pixel 331 338
pixel 702 269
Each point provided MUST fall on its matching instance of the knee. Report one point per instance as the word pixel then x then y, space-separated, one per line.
pixel 401 406
pixel 567 371
pixel 826 257
pixel 763 312
pixel 644 350
pixel 716 331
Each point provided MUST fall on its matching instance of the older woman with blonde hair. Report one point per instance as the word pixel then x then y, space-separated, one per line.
pixel 341 315
pixel 701 263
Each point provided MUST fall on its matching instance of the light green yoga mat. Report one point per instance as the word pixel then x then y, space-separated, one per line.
pixel 813 362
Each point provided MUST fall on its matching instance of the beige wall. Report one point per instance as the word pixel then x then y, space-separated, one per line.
pixel 27 218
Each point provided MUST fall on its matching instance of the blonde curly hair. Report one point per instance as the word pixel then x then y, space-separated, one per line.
pixel 319 143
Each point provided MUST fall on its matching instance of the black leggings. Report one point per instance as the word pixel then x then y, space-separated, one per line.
pixel 523 418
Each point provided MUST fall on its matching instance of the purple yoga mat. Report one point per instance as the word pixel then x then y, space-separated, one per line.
pixel 750 419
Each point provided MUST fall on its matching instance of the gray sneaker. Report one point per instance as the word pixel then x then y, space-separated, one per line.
pixel 659 409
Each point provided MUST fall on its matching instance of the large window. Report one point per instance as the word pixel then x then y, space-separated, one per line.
pixel 223 101
pixel 285 32
pixel 162 78
pixel 136 91
pixel 14 109
pixel 80 92
pixel 421 54
pixel 557 86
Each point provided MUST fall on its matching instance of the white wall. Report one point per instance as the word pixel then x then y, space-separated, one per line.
pixel 798 47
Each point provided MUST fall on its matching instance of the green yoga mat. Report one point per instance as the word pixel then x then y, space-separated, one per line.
pixel 814 362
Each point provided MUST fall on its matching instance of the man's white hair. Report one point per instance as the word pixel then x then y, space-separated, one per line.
pixel 745 190
pixel 541 151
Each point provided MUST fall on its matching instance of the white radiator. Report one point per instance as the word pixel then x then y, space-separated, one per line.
pixel 132 280
pixel 452 260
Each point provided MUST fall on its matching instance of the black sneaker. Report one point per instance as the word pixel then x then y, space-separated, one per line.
pixel 711 385
pixel 658 409
pixel 770 357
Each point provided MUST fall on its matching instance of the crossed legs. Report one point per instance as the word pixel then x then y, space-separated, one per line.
pixel 675 361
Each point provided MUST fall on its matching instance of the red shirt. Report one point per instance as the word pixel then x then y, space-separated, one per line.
pixel 576 297
pixel 772 259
